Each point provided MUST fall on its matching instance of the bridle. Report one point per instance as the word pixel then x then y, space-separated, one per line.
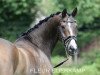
pixel 66 41
pixel 69 40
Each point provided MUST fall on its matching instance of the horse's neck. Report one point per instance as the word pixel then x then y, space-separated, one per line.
pixel 45 36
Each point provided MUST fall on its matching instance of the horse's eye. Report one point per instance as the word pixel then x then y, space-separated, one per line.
pixel 64 21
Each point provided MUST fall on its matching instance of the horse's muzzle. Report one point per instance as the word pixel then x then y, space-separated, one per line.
pixel 72 47
pixel 72 50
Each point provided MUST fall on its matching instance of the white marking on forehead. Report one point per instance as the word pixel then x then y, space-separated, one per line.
pixel 70 30
pixel 73 43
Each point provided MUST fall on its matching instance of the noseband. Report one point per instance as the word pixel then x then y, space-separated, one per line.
pixel 68 39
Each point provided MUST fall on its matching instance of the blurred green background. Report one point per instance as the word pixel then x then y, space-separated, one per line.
pixel 16 16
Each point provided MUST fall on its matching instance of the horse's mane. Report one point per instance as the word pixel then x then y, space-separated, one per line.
pixel 40 23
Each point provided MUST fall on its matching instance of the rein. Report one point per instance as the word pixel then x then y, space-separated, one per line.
pixel 60 63
pixel 66 41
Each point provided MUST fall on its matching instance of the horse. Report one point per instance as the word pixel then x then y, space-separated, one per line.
pixel 30 54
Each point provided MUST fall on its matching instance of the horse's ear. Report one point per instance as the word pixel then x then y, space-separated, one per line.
pixel 74 12
pixel 64 13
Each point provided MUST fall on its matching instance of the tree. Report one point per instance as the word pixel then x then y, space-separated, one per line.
pixel 88 10
pixel 15 17
pixel 16 9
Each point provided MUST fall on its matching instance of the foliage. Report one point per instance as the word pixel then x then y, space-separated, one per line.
pixel 84 70
pixel 12 30
pixel 89 66
pixel 85 37
pixel 55 59
pixel 25 10
pixel 48 7
pixel 16 16
pixel 87 9
pixel 59 50
pixel 16 9
pixel 91 57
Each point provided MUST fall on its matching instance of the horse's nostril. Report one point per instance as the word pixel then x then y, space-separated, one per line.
pixel 72 48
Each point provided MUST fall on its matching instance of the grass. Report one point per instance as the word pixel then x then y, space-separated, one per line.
pixel 90 66
pixel 84 70
pixel 56 59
